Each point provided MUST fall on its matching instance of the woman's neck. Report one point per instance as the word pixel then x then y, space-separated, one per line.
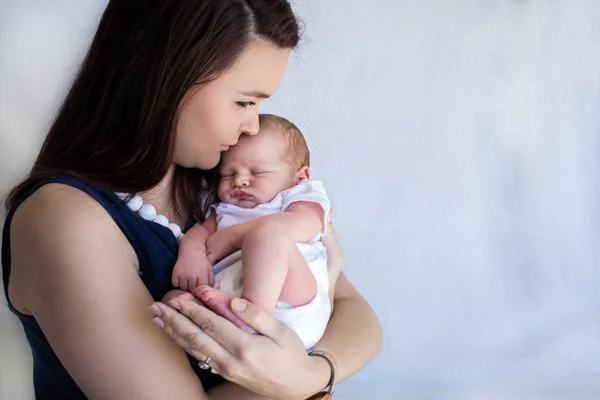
pixel 160 197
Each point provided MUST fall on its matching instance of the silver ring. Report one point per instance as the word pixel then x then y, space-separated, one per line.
pixel 204 364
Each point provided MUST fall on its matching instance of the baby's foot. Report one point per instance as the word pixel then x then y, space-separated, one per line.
pixel 191 297
pixel 220 302
pixel 177 293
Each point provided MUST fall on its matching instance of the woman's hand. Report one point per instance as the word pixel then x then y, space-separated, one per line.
pixel 272 363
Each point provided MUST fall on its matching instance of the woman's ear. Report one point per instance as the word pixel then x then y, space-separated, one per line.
pixel 302 174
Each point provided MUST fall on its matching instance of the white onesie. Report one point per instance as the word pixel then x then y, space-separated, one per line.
pixel 310 320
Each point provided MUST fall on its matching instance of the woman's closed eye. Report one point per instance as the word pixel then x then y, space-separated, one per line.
pixel 245 104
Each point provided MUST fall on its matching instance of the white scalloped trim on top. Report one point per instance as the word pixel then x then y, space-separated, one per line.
pixel 148 212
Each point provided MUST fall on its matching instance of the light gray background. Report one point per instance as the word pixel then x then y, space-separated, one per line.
pixel 459 140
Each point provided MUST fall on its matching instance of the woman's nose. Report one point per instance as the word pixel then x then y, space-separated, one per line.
pixel 250 126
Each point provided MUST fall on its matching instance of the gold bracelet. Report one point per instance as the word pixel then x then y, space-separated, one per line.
pixel 326 393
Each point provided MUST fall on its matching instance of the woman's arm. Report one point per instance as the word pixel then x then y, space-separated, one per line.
pixel 75 272
pixel 354 335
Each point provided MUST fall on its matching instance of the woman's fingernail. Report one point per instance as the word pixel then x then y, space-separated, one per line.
pixel 175 305
pixel 238 304
pixel 158 322
pixel 155 310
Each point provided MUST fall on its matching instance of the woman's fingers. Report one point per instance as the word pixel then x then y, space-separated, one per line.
pixel 221 330
pixel 225 332
pixel 220 303
pixel 194 337
pixel 261 321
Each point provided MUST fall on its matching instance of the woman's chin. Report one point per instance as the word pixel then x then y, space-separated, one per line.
pixel 205 163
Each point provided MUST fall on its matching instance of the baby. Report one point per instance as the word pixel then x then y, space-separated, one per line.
pixel 275 214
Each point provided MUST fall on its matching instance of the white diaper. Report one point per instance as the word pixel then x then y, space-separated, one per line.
pixel 308 321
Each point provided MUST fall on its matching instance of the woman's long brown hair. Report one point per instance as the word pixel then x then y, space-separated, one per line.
pixel 115 128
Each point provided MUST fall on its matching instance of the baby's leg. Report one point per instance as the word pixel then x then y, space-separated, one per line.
pixel 274 269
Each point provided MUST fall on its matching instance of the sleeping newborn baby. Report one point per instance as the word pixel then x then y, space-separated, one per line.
pixel 265 233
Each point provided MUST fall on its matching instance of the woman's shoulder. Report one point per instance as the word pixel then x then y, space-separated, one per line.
pixel 56 230
pixel 60 219
pixel 56 206
pixel 69 220
pixel 58 222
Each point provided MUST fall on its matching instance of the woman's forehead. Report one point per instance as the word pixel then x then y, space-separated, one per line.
pixel 258 71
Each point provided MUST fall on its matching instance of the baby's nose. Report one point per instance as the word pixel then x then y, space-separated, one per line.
pixel 240 180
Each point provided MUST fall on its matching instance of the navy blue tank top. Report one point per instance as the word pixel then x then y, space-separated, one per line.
pixel 156 250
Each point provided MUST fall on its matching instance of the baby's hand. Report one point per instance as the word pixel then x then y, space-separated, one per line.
pixel 223 243
pixel 189 273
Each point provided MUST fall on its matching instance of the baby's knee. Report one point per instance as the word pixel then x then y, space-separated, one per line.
pixel 268 232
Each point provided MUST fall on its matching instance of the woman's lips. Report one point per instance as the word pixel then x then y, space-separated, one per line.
pixel 226 147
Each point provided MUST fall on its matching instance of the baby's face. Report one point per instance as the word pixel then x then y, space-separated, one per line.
pixel 253 171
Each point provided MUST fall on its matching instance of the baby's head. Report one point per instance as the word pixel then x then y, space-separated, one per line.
pixel 258 167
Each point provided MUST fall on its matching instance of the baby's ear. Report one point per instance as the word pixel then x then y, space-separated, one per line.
pixel 302 174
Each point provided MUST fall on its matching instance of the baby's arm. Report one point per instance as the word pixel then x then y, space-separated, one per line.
pixel 302 221
pixel 193 268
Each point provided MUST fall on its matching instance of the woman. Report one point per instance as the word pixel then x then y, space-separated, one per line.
pixel 164 89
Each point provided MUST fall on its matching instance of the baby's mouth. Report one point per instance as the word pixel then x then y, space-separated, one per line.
pixel 240 195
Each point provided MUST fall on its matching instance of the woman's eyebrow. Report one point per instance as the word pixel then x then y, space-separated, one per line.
pixel 256 94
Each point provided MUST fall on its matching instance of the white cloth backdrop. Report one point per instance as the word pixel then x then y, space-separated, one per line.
pixel 459 141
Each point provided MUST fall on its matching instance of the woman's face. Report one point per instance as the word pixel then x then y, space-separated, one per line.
pixel 213 117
